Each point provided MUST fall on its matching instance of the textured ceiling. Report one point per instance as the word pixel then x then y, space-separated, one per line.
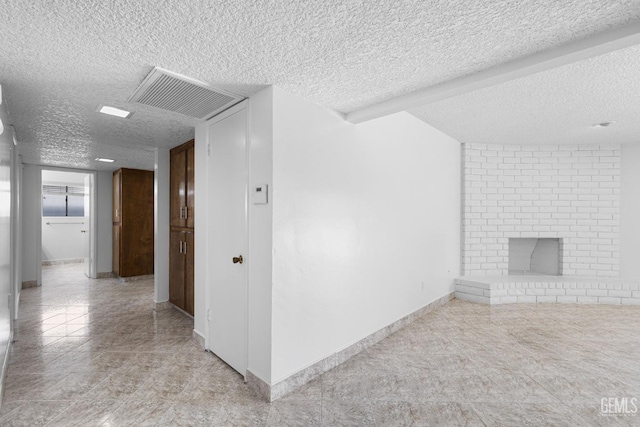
pixel 60 59
pixel 558 106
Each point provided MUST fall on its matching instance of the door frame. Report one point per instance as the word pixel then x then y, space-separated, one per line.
pixel 244 105
pixel 91 271
pixel 16 232
pixel 93 241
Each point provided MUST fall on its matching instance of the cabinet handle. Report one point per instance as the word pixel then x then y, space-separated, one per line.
pixel 181 217
pixel 116 212
pixel 180 247
pixel 185 248
pixel 186 213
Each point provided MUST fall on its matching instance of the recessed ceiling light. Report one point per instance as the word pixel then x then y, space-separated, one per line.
pixel 603 124
pixel 100 159
pixel 113 111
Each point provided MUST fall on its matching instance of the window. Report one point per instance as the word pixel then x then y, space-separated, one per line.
pixel 61 200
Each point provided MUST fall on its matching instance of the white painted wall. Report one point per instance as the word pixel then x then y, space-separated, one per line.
pixel 161 225
pixel 57 177
pixel 32 190
pixel 62 238
pixel 259 260
pixel 16 230
pixel 200 260
pixel 366 227
pixel 6 147
pixel 362 228
pixel 630 211
pixel 104 201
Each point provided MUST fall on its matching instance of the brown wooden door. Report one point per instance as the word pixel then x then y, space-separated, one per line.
pixel 190 186
pixel 188 277
pixel 177 269
pixel 177 183
pixel 116 250
pixel 117 210
pixel 137 222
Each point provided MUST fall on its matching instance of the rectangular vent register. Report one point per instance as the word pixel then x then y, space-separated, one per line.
pixel 170 91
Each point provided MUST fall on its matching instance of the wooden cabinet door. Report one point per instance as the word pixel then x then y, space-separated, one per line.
pixel 181 200
pixel 190 186
pixel 117 199
pixel 177 183
pixel 188 276
pixel 115 263
pixel 177 269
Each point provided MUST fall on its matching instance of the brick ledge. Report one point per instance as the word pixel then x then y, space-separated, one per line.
pixel 548 289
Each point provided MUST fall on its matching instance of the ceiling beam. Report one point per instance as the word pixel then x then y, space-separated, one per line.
pixel 599 44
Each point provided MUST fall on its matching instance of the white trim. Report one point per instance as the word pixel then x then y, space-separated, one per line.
pixel 294 381
pixel 161 224
pixel 39 227
pixel 247 229
pixel 204 201
pixel 599 44
pixel 242 105
pixel 17 186
pixel 93 226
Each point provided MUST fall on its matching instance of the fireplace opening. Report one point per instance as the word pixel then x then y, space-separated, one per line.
pixel 531 256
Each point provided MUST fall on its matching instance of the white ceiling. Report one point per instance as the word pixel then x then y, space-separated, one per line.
pixel 60 60
pixel 558 106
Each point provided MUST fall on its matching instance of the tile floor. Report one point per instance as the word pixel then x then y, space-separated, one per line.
pixel 93 353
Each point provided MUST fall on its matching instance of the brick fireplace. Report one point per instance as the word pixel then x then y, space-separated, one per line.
pixel 570 193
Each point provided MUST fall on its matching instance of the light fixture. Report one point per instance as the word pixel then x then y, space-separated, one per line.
pixel 113 111
pixel 100 159
pixel 603 124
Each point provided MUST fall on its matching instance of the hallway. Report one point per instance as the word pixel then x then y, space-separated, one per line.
pixel 93 352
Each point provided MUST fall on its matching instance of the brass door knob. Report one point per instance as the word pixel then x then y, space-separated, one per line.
pixel 238 259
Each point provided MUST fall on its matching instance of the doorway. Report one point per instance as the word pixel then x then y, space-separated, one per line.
pixel 67 238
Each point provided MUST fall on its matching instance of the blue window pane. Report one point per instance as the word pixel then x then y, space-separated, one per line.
pixel 76 206
pixel 54 205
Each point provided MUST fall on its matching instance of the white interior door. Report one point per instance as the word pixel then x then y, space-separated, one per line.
pixel 86 227
pixel 227 240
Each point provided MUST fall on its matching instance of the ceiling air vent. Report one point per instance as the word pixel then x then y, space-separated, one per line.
pixel 170 91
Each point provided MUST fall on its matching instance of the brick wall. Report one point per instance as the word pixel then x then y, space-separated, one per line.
pixel 566 192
